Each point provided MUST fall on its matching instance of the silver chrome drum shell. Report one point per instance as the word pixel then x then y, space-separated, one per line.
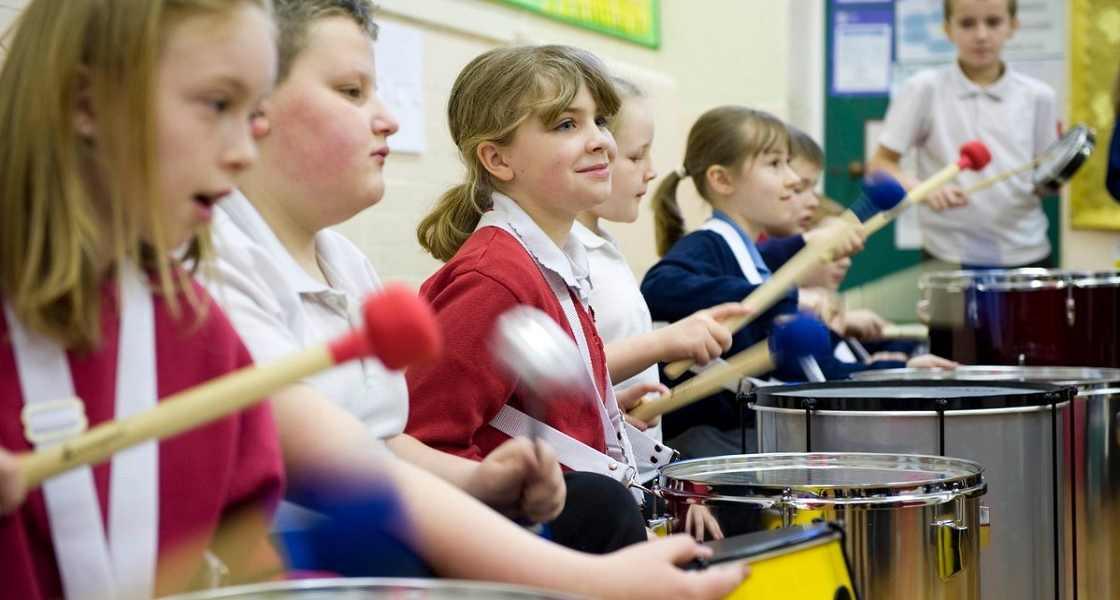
pixel 1010 428
pixel 1092 456
pixel 903 515
pixel 1063 158
pixel 376 589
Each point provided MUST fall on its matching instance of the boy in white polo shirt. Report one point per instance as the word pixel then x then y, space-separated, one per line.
pixel 977 97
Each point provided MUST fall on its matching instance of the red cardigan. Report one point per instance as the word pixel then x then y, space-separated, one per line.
pixel 454 397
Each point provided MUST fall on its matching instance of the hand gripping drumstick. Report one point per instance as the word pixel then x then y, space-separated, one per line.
pixel 880 191
pixel 399 329
pixel 803 336
pixel 974 155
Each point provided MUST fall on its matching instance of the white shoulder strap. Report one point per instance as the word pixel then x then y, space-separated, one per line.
pixel 738 248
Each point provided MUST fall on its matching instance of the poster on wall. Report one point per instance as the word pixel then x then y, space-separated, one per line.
pixel 861 52
pixel 400 74
pixel 632 20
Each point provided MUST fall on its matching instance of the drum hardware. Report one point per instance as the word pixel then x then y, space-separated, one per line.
pixel 1063 158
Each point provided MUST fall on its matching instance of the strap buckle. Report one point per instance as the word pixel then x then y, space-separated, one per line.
pixel 53 421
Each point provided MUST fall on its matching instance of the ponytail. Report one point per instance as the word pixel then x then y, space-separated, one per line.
pixel 667 219
pixel 453 220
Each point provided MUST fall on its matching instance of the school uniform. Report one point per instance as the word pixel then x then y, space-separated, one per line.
pixel 280 310
pixel 620 310
pixel 1112 176
pixel 935 112
pixel 232 463
pixel 700 271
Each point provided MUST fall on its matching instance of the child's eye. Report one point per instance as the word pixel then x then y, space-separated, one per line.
pixel 566 125
pixel 601 122
pixel 352 91
pixel 218 105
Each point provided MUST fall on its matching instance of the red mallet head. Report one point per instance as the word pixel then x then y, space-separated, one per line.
pixel 974 156
pixel 400 328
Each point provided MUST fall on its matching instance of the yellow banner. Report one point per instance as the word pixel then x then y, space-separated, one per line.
pixel 633 20
pixel 1095 44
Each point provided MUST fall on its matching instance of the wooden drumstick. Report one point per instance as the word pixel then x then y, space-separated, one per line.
pixel 910 331
pixel 1008 174
pixel 399 329
pixel 800 337
pixel 974 155
pixel 882 193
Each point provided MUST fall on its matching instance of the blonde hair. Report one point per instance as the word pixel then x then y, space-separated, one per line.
pixel 492 96
pixel 725 136
pixel 295 17
pixel 101 55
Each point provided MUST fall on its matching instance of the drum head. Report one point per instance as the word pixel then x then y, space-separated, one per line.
pixel 1063 158
pixel 377 589
pixel 1082 377
pixel 914 395
pixel 823 479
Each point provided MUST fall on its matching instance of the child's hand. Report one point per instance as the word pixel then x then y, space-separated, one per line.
pixel 864 325
pixel 648 570
pixel 701 336
pixel 948 196
pixel 12 490
pixel 931 360
pixel 521 478
pixel 633 397
pixel 846 237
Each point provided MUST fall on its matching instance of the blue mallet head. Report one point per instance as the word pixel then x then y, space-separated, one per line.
pixel 799 337
pixel 880 192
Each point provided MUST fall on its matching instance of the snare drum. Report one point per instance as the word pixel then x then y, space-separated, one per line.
pixel 1013 429
pixel 1092 459
pixel 912 522
pixel 799 561
pixel 1024 316
pixel 376 589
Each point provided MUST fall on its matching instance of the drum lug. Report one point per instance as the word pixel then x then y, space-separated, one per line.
pixel 952 543
pixel 1071 307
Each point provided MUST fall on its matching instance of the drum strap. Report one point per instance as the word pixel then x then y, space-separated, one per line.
pixel 89 567
pixel 738 247
pixel 617 433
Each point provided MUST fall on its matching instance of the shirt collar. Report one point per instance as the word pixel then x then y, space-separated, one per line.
pixel 722 216
pixel 592 239
pixel 243 214
pixel 570 263
pixel 965 88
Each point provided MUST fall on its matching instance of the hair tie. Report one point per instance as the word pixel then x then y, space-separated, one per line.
pixel 681 172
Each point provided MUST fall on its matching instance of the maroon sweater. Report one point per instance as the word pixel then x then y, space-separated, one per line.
pixel 454 397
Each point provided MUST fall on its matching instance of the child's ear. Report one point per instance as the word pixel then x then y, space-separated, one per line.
pixel 719 180
pixel 259 123
pixel 84 117
pixel 492 159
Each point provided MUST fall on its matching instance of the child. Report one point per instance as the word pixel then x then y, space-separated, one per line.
pixel 531 125
pixel 738 158
pixel 289 283
pixel 621 315
pixel 979 96
pixel 125 122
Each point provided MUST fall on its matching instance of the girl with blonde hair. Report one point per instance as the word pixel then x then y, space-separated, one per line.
pixel 125 122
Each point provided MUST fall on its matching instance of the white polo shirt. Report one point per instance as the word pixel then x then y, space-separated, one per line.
pixel 279 310
pixel 938 110
pixel 620 310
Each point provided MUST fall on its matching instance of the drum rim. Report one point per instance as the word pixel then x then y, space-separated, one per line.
pixel 771 541
pixel 1056 375
pixel 1071 150
pixel 970 484
pixel 1016 279
pixel 299 585
pixel 778 396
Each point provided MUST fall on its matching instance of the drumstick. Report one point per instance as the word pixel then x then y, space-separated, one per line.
pixel 882 192
pixel 974 155
pixel 803 336
pixel 399 329
pixel 910 331
pixel 989 182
